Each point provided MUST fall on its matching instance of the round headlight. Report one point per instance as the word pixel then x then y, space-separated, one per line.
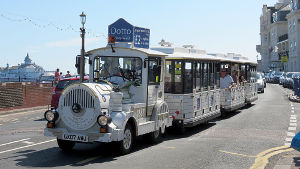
pixel 102 120
pixel 50 116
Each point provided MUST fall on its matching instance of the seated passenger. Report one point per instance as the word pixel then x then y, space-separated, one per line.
pixel 226 80
pixel 243 80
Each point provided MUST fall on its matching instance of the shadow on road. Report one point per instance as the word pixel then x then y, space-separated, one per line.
pixel 97 152
pixel 297 161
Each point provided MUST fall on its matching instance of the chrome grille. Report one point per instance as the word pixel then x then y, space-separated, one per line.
pixel 79 96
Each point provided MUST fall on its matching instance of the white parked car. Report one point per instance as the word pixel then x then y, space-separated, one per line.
pixel 260 83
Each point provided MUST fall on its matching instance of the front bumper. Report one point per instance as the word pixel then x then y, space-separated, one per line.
pixel 115 135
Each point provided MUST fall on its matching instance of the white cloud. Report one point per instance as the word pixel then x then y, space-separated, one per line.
pixel 70 42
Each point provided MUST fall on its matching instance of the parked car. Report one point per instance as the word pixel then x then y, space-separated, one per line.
pixel 288 81
pixel 295 75
pixel 260 83
pixel 268 77
pixel 276 77
pixel 61 85
pixel 282 78
pixel 264 78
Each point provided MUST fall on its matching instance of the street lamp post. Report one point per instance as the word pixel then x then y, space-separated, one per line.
pixel 82 59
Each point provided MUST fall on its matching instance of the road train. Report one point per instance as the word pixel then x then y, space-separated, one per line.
pixel 135 91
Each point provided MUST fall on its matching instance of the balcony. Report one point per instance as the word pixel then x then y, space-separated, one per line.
pixel 283 38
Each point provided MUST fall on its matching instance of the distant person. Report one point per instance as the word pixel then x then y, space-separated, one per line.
pixel 68 74
pixel 61 77
pixel 226 80
pixel 56 76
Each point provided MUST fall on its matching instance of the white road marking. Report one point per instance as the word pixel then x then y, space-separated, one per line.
pixel 1 124
pixel 293 108
pixel 290 134
pixel 14 142
pixel 292 111
pixel 293 118
pixel 293 124
pixel 293 121
pixel 28 142
pixel 288 139
pixel 292 128
pixel 293 115
pixel 1 152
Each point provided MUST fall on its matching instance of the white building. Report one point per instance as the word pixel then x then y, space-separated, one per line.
pixel 26 71
pixel 294 36
pixel 273 29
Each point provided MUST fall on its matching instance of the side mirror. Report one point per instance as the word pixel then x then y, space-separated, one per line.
pixel 77 65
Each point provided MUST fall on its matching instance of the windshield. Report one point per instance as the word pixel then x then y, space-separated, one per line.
pixel 258 76
pixel 64 83
pixel 289 75
pixel 118 70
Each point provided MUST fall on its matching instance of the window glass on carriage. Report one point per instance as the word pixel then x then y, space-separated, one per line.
pixel 178 77
pixel 154 70
pixel 188 77
pixel 211 75
pixel 205 75
pixel 118 70
pixel 198 76
pixel 168 77
pixel 217 74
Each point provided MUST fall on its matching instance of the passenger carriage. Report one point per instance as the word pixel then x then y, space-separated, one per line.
pixel 191 85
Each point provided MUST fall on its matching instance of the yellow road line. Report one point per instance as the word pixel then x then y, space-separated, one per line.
pixel 167 147
pixel 271 149
pixel 244 155
pixel 262 161
pixel 87 160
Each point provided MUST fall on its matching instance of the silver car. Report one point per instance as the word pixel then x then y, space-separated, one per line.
pixel 260 83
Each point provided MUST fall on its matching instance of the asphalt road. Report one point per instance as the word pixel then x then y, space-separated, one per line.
pixel 234 141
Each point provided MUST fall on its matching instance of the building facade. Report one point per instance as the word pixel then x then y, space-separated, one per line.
pixel 276 37
pixel 294 32
pixel 24 72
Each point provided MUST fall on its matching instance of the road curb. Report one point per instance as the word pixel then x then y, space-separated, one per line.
pixel 22 110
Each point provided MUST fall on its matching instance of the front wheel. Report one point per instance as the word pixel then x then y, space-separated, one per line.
pixel 65 145
pixel 127 142
pixel 152 137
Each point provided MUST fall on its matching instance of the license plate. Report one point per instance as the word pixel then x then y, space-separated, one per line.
pixel 75 137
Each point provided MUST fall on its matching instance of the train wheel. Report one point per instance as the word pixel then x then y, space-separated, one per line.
pixel 153 136
pixel 127 143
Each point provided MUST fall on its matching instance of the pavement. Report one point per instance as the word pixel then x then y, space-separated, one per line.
pixel 5 112
pixel 291 159
pixel 256 136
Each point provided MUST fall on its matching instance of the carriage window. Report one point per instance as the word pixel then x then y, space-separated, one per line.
pixel 198 76
pixel 188 78
pixel 178 78
pixel 154 70
pixel 217 75
pixel 205 75
pixel 211 75
pixel 168 77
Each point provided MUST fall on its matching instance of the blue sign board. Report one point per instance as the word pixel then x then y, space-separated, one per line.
pixel 141 37
pixel 121 30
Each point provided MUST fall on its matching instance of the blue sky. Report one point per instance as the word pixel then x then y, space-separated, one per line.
pixel 49 30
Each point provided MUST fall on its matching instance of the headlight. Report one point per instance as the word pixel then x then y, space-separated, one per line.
pixel 103 120
pixel 51 116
